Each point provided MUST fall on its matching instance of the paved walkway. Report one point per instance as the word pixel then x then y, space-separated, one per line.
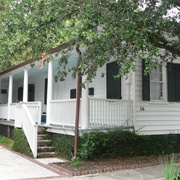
pixel 14 166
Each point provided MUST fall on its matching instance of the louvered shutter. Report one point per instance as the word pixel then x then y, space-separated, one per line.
pixel 145 84
pixel 113 84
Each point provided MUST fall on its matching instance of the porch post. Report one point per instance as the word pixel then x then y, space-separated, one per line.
pixel 85 105
pixel 25 86
pixel 10 92
pixel 49 91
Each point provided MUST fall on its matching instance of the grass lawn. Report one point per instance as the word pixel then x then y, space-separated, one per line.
pixel 6 142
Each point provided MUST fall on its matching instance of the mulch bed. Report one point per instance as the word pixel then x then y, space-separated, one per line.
pixel 111 164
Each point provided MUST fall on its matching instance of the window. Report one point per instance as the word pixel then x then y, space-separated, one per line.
pixel 113 84
pixel 152 85
pixel 156 84
pixel 173 73
pixel 3 91
pixel 72 93
pixel 31 93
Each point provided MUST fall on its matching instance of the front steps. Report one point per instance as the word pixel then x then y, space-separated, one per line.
pixel 44 148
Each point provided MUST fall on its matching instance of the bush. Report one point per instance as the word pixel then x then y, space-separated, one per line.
pixel 118 142
pixel 115 143
pixel 20 143
pixel 64 144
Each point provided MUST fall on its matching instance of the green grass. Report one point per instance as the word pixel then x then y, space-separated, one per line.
pixel 6 142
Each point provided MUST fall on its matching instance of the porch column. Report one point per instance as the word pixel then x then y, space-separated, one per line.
pixel 49 91
pixel 25 86
pixel 10 93
pixel 85 105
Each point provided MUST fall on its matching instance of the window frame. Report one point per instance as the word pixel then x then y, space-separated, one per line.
pixel 146 85
pixel 156 71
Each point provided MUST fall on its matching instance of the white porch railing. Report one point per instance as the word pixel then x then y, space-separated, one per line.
pixel 3 111
pixel 12 111
pixel 102 113
pixel 28 115
pixel 63 112
pixel 34 109
pixel 28 124
pixel 110 113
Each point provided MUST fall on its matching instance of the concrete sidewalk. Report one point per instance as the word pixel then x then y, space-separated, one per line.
pixel 18 167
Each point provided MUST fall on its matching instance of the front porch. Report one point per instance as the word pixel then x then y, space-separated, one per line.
pixel 102 114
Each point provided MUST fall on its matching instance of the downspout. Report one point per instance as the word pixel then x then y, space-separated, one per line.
pixel 78 96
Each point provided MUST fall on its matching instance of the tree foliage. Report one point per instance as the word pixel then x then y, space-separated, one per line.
pixel 124 30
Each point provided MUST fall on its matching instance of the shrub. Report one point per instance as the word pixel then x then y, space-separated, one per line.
pixel 118 142
pixel 63 144
pixel 20 142
pixel 115 143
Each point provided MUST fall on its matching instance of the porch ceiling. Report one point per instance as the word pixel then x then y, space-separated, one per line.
pixel 35 71
pixel 32 73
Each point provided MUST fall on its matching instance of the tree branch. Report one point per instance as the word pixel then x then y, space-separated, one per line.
pixel 169 48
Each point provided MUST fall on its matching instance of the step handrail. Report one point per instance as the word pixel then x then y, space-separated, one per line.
pixel 30 129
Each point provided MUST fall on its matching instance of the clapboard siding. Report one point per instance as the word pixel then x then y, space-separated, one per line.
pixel 61 90
pixel 138 81
pixel 154 117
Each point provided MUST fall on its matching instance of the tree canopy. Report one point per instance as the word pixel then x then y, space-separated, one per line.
pixel 125 30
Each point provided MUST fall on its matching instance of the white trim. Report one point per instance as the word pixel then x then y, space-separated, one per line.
pixel 10 92
pixel 164 86
pixel 25 86
pixel 49 91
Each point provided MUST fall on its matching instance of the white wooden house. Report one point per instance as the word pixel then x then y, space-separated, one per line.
pixel 30 97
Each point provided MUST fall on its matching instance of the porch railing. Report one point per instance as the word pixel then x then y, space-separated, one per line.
pixel 34 109
pixel 12 111
pixel 3 111
pixel 110 113
pixel 63 112
pixel 24 119
pixel 102 113
pixel 28 116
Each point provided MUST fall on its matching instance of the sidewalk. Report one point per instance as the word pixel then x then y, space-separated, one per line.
pixel 149 173
pixel 18 167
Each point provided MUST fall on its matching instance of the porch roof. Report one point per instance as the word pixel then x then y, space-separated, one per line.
pixel 26 62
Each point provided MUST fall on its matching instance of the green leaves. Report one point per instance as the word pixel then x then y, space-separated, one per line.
pixel 110 29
